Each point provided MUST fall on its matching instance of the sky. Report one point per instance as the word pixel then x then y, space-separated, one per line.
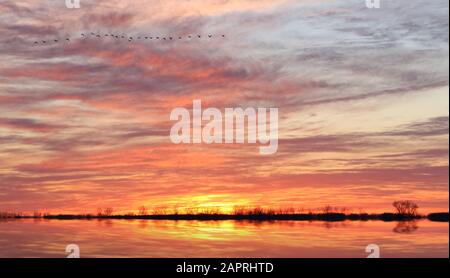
pixel 363 99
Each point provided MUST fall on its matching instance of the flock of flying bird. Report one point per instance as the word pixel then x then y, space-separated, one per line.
pixel 129 38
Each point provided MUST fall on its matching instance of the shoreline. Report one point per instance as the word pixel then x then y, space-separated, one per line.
pixel 329 217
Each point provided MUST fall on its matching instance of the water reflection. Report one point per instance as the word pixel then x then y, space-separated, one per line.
pixel 150 238
pixel 406 227
pixel 331 225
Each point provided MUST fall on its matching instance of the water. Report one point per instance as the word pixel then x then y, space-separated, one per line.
pixel 152 238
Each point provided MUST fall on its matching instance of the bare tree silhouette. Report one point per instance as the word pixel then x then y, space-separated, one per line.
pixel 108 212
pixel 143 210
pixel 406 207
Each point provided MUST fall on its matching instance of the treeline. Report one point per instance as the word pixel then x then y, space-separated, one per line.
pixel 404 210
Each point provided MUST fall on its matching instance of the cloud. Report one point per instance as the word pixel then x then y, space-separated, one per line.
pixel 28 124
pixel 88 120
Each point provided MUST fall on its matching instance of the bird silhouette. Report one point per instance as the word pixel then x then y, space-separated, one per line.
pixel 130 38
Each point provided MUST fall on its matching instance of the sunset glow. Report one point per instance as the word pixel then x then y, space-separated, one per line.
pixel 363 101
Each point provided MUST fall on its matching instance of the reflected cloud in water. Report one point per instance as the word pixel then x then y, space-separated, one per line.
pixel 153 238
